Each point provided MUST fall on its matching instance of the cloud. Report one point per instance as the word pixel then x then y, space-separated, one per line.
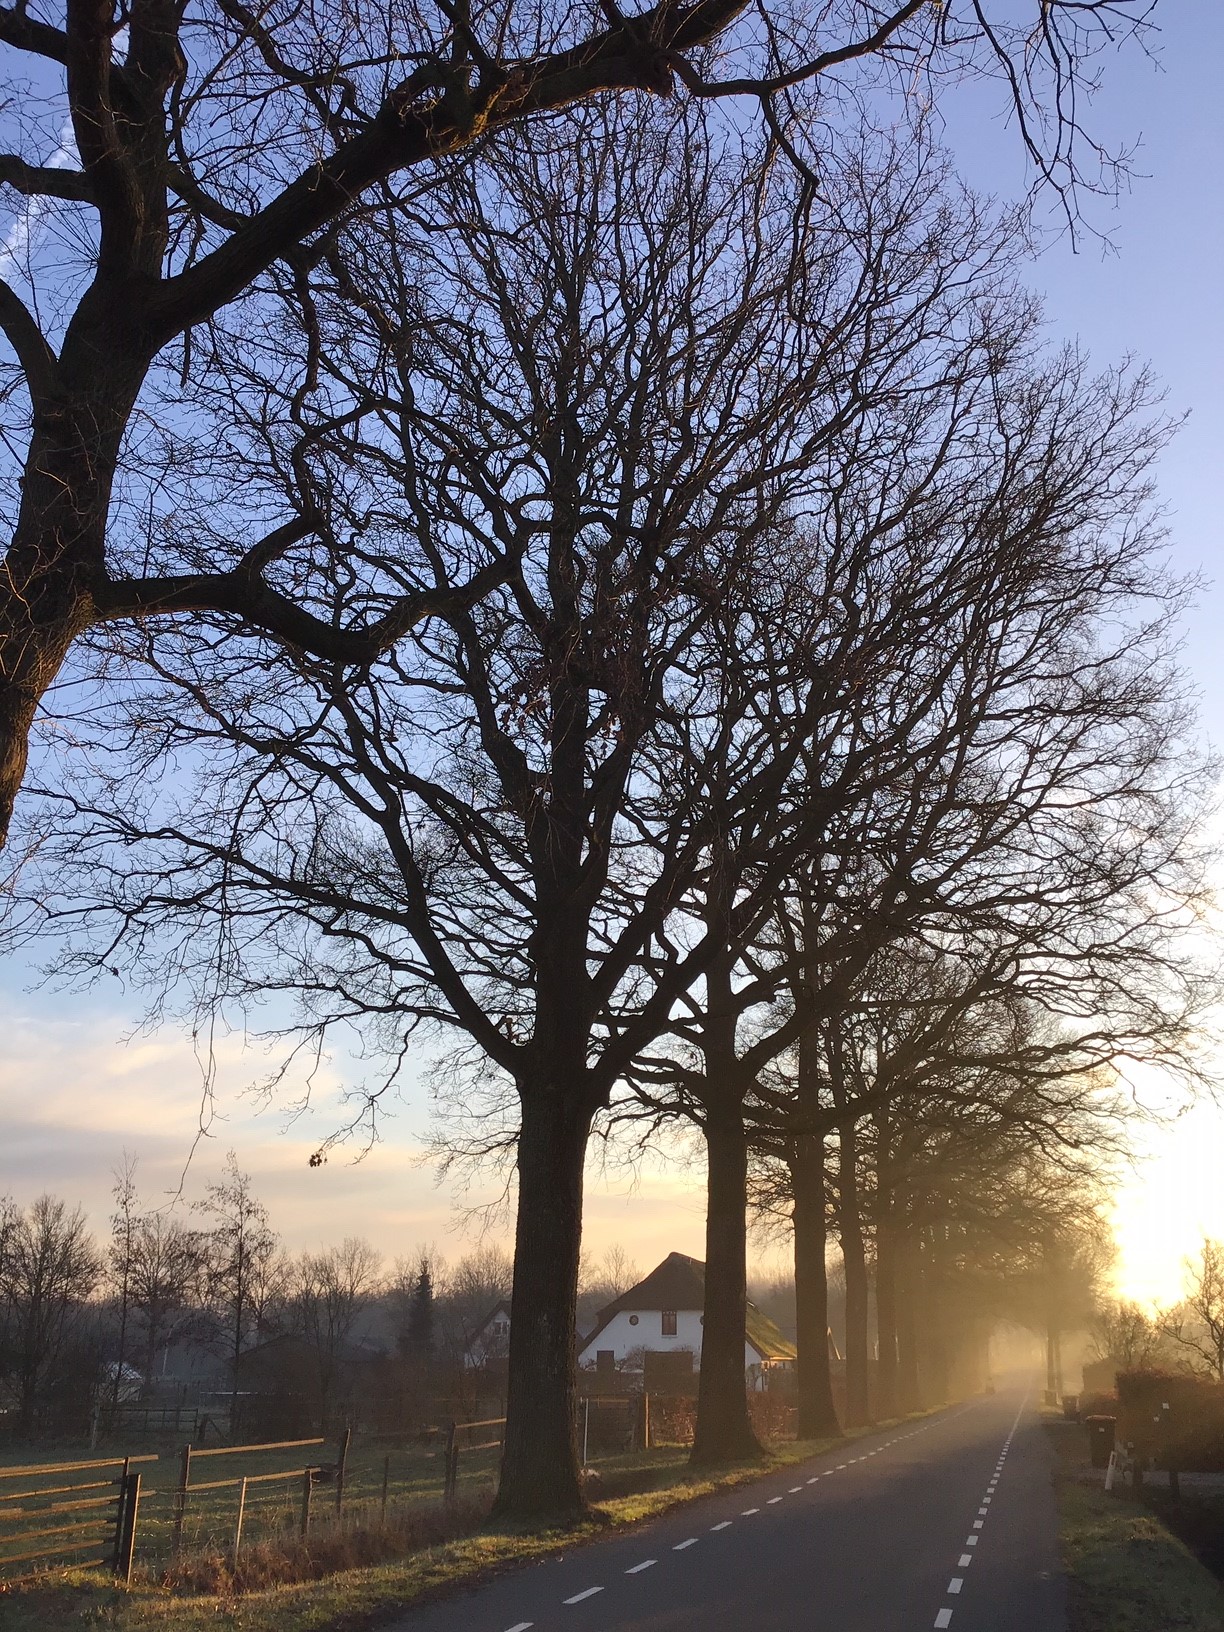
pixel 75 1096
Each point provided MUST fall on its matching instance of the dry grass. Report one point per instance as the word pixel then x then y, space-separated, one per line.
pixel 213 1571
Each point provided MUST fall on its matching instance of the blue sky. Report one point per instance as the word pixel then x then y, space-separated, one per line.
pixel 75 1094
pixel 1156 294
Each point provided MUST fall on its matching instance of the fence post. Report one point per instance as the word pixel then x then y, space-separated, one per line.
pixel 307 1487
pixel 125 1526
pixel 120 1513
pixel 386 1477
pixel 645 1422
pixel 341 1462
pixel 586 1428
pixel 450 1476
pixel 180 1497
pixel 238 1520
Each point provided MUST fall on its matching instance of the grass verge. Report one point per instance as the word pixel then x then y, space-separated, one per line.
pixel 1126 1571
pixel 340 1599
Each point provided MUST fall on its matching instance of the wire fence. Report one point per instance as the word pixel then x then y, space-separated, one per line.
pixel 226 1498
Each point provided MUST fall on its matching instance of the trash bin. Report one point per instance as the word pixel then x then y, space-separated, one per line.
pixel 1101 1439
pixel 1071 1407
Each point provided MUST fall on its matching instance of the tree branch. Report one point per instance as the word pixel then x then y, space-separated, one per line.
pixel 34 352
pixel 429 114
pixel 244 593
pixel 42 181
pixel 25 33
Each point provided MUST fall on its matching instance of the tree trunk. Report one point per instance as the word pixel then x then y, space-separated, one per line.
pixel 55 563
pixel 817 1416
pixel 236 1361
pixel 854 1258
pixel 123 1325
pixel 886 1276
pixel 724 1430
pixel 937 1328
pixel 908 1292
pixel 540 1476
pixel 32 651
pixel 886 1322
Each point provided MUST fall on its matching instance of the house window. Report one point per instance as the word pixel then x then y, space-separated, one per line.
pixel 669 1323
pixel 633 1320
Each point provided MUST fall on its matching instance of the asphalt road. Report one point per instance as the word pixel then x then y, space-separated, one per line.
pixel 948 1522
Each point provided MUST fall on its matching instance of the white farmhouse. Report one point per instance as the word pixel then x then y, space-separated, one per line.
pixel 490 1341
pixel 662 1314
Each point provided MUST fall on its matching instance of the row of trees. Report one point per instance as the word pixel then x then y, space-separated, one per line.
pixel 691 653
pixel 70 1305
pixel 962 1176
pixel 89 1324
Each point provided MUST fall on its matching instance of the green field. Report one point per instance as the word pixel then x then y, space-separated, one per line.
pixel 273 1505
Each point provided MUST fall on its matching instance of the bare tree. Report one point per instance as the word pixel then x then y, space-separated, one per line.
pixel 599 1283
pixel 1126 1334
pixel 48 1268
pixel 587 388
pixel 240 1262
pixel 470 1292
pixel 614 1273
pixel 328 1293
pixel 1197 1324
pixel 166 1284
pixel 942 789
pixel 196 149
pixel 119 1256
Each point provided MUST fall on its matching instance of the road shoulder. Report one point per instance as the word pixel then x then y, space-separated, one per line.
pixel 1126 1571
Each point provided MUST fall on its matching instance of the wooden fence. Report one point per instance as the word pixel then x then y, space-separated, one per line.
pixel 455 1443
pixel 87 1529
pixel 306 1477
pixel 87 1512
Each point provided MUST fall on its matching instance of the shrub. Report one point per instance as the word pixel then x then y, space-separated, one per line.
pixel 1173 1418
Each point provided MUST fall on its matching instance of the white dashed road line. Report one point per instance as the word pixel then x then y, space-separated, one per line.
pixel 956 1584
pixel 945 1615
